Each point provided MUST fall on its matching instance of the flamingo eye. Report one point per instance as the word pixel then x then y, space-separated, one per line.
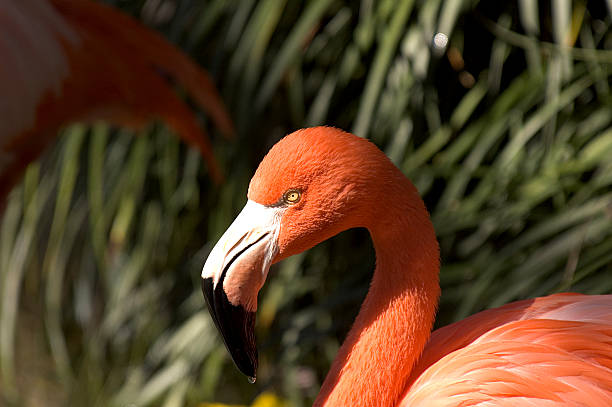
pixel 292 196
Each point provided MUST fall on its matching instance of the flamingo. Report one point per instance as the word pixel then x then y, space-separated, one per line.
pixel 317 182
pixel 78 60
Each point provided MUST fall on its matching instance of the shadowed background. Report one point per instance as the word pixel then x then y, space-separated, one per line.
pixel 499 113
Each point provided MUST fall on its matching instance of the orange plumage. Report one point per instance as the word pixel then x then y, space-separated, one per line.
pixel 78 60
pixel 547 351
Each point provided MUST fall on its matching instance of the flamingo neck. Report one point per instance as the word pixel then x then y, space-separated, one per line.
pixel 397 315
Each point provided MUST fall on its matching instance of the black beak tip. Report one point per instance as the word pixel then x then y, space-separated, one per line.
pixel 236 326
pixel 246 363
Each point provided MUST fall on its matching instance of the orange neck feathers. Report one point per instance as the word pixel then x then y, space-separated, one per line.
pixel 338 181
pixel 348 183
pixel 396 318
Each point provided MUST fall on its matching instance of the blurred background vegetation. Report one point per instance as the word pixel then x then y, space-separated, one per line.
pixel 500 112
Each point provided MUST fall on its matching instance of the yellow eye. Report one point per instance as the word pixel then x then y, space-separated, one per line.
pixel 292 196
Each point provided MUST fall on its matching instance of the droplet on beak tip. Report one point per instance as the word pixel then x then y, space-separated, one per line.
pixel 252 379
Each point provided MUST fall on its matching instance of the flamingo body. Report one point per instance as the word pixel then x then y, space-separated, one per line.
pixel 315 183
pixel 78 60
pixel 549 351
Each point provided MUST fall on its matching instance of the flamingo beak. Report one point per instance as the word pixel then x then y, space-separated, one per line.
pixel 234 273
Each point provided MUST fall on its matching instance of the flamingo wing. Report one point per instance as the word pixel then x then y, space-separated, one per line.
pixel 549 351
pixel 78 60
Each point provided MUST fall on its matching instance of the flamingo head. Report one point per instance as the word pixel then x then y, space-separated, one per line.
pixel 313 184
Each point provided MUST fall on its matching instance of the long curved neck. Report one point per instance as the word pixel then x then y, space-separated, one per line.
pixel 396 318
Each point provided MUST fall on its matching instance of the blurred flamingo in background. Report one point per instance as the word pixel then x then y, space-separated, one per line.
pixel 78 60
pixel 317 182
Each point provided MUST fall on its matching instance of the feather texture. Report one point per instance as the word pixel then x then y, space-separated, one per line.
pixel 555 350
